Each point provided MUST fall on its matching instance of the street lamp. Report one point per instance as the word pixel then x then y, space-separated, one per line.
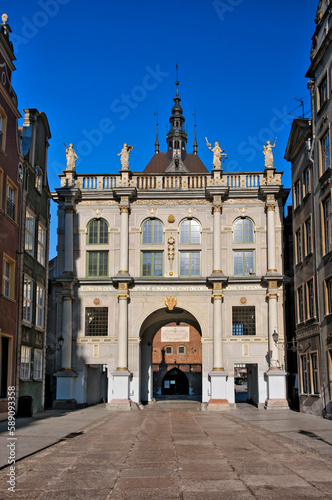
pixel 51 350
pixel 295 346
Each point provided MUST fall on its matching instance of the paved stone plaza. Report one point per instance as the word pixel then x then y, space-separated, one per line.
pixel 172 451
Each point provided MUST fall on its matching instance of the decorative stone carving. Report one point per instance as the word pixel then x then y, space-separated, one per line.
pixel 170 302
pixel 124 156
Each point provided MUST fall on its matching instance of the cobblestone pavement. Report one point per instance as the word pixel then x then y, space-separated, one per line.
pixel 177 454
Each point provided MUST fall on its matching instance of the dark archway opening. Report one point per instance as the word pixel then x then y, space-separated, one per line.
pixel 175 383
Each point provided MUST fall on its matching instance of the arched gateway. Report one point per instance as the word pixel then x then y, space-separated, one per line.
pixel 171 355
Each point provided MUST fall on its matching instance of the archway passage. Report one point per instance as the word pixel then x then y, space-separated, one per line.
pixel 175 383
pixel 171 346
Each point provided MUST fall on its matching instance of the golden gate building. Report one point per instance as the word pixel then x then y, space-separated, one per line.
pixel 174 249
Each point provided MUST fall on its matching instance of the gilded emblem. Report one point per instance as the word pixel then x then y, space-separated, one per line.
pixel 170 303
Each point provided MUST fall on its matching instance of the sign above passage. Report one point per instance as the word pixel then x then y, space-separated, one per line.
pixel 175 334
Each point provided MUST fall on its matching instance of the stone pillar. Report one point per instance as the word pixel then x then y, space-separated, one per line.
pixel 271 238
pixel 217 239
pixel 121 378
pixel 218 377
pixel 272 297
pixel 69 251
pixel 124 240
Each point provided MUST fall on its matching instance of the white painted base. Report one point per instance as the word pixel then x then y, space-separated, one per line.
pixel 121 380
pixel 219 391
pixel 65 389
pixel 276 390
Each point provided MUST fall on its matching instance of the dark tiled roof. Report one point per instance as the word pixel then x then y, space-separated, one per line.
pixel 160 161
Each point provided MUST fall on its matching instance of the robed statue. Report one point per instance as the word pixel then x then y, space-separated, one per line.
pixel 124 156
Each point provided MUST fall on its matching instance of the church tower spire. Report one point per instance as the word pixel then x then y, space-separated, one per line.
pixel 195 146
pixel 156 144
pixel 176 137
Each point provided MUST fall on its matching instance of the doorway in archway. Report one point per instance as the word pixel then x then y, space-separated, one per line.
pixel 175 383
pixel 246 383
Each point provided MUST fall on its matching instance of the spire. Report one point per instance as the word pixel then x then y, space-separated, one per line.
pixel 195 147
pixel 156 145
pixel 176 136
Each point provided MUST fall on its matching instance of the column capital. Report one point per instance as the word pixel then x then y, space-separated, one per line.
pixel 216 208
pixel 123 296
pixel 124 210
pixel 270 207
pixel 217 296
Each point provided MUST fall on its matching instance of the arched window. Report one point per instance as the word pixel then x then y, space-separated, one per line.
pixel 190 232
pixel 152 232
pixel 97 232
pixel 243 231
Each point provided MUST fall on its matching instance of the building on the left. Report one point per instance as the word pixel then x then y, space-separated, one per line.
pixel 24 227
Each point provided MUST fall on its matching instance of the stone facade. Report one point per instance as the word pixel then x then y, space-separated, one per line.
pixel 173 244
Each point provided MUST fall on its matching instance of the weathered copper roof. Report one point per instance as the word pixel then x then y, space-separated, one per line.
pixel 160 161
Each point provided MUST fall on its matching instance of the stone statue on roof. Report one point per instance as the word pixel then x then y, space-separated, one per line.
pixel 216 154
pixel 267 150
pixel 71 157
pixel 124 156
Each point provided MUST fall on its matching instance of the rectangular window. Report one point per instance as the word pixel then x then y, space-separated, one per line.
pixel 327 214
pixel 41 250
pixel 311 299
pixel 328 296
pixel 244 322
pixel 325 149
pixel 25 367
pixel 297 194
pixel 244 263
pixel 300 304
pixel 40 307
pixel 306 182
pixel 323 94
pixel 308 236
pixel 314 373
pixel 96 321
pixel 97 263
pixel 10 201
pixel 27 299
pixel 190 263
pixel 8 277
pixel 298 246
pixel 304 374
pixel 29 233
pixel 152 263
pixel 37 364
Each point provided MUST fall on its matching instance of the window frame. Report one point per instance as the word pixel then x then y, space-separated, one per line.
pixel 183 240
pixel 40 306
pixel 323 91
pixel 170 347
pixel 300 304
pixel 328 295
pixel 11 200
pixel 325 152
pixel 242 313
pixel 27 307
pixel 304 379
pixel 153 253
pixel 243 262
pixel 41 245
pixel 101 327
pixel 298 245
pixel 327 224
pixel 3 129
pixel 311 306
pixel 153 236
pixel 243 230
pixel 297 194
pixel 25 363
pixel 184 350
pixel 306 182
pixel 308 236
pixel 98 264
pixel 98 232
pixel 9 280
pixel 30 232
pixel 37 364
pixel 190 263
pixel 314 373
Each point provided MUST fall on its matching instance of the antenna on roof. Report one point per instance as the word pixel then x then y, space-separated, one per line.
pixel 195 147
pixel 156 144
pixel 301 105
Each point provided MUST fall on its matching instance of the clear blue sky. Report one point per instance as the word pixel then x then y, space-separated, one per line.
pixel 100 70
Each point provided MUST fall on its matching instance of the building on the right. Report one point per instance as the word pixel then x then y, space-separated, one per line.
pixel 308 150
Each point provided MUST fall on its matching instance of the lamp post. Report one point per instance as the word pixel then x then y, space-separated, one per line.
pixel 51 350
